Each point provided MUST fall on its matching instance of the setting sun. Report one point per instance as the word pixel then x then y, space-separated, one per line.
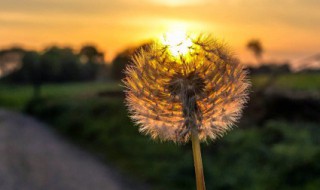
pixel 178 42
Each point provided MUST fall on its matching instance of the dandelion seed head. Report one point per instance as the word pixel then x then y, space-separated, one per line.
pixel 169 94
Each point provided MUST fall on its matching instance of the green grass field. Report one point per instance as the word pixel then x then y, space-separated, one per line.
pixel 17 96
pixel 277 155
pixel 272 156
pixel 296 82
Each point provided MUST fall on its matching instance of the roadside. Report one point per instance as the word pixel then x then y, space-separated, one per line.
pixel 33 157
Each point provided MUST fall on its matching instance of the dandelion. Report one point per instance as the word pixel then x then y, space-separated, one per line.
pixel 193 89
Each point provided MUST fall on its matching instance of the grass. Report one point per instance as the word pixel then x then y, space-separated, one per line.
pixel 17 96
pixel 267 157
pixel 14 97
pixel 309 82
pixel 297 82
pixel 277 155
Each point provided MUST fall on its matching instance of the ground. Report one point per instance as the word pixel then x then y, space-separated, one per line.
pixel 33 157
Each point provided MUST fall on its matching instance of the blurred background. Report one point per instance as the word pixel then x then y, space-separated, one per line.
pixel 62 61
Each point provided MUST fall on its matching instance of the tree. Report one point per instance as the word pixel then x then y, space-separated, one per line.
pixel 119 64
pixel 60 65
pixel 92 60
pixel 89 53
pixel 31 69
pixel 122 59
pixel 256 48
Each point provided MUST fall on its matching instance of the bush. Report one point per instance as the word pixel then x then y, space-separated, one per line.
pixel 279 155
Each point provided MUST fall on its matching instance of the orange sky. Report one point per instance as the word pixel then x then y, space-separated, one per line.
pixel 288 29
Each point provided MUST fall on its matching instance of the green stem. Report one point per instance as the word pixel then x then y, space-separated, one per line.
pixel 197 160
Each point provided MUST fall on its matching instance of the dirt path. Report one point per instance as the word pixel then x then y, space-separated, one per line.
pixel 32 157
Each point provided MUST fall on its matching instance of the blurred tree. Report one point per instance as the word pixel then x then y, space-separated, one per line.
pixel 31 70
pixel 71 67
pixel 256 48
pixel 60 65
pixel 50 64
pixel 93 61
pixel 122 59
pixel 57 64
pixel 89 53
pixel 119 64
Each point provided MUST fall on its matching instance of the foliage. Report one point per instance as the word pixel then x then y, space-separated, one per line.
pixel 256 48
pixel 276 155
pixel 93 61
pixel 57 64
pixel 122 59
pixel 119 64
pixel 16 97
pixel 298 82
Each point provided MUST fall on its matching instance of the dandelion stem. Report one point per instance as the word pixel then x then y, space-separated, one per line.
pixel 197 160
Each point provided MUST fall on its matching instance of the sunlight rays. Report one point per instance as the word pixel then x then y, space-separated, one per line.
pixel 178 42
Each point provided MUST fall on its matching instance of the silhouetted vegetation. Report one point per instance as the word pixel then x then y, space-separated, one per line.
pixel 119 63
pixel 31 71
pixel 275 147
pixel 122 59
pixel 92 61
pixel 256 48
pixel 269 68
pixel 56 64
pixel 256 156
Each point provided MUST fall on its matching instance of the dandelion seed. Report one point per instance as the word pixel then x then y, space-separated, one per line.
pixel 205 87
pixel 195 90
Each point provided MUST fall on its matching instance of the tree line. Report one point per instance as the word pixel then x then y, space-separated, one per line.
pixel 56 64
pixel 62 64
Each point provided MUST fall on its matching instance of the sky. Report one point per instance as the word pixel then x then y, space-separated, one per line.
pixel 288 29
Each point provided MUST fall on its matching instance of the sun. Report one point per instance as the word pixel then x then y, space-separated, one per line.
pixel 178 42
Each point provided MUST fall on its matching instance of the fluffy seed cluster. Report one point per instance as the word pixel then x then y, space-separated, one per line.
pixel 169 96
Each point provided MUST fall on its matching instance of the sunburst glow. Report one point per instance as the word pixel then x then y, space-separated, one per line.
pixel 178 42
